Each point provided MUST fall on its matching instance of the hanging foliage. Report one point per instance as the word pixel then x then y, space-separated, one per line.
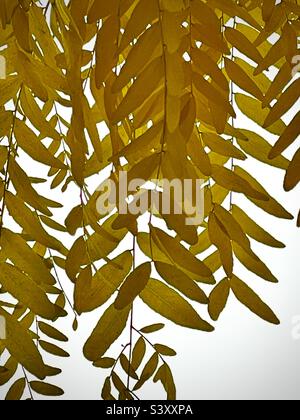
pixel 167 78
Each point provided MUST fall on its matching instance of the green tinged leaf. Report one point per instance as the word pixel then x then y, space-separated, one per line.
pixel 252 301
pixel 16 391
pixel 133 286
pixel 108 329
pixel 168 303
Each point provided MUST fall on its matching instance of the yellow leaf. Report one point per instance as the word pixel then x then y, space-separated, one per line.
pixel 173 5
pixel 175 79
pixel 8 89
pixel 133 286
pixel 35 115
pixel 268 9
pixel 75 258
pixel 271 206
pixel 30 223
pixel 104 363
pixel 24 257
pixel 214 262
pixel 145 13
pixel 52 332
pixel 254 264
pixel 127 367
pixel 253 230
pixel 284 47
pixel 16 391
pixel 152 328
pixel 21 346
pixel 286 101
pixel 177 222
pixel 28 141
pixel 188 117
pixel 108 329
pixel 179 255
pixel 143 145
pixel 25 290
pixel 233 228
pixel 252 109
pixel 281 80
pixel 53 349
pixel 204 14
pixel 164 374
pixel 207 66
pixel 25 190
pixel 147 48
pixel 43 388
pixel 213 94
pixel 172 30
pixel 102 243
pixel 106 391
pixel 106 49
pixel 100 10
pixel 202 244
pixel 220 239
pixel 218 299
pixel 292 177
pixel 261 80
pixel 20 24
pixel 241 79
pixel 171 305
pixel 260 149
pixel 180 281
pixel 223 147
pixel 74 220
pixel 148 371
pixel 242 43
pixel 144 85
pixel 173 113
pixel 10 369
pixel 29 74
pixel 233 182
pixel 212 39
pixel 233 10
pixel 164 350
pixel 138 353
pixel 287 138
pixel 198 155
pixel 252 301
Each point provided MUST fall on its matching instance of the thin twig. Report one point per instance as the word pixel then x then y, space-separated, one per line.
pixel 28 383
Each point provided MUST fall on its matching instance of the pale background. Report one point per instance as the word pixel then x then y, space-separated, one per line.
pixel 245 358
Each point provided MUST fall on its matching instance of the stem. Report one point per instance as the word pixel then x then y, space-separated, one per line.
pixel 60 284
pixel 232 119
pixel 10 147
pixel 118 359
pixel 131 323
pixel 27 383
pixel 164 47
